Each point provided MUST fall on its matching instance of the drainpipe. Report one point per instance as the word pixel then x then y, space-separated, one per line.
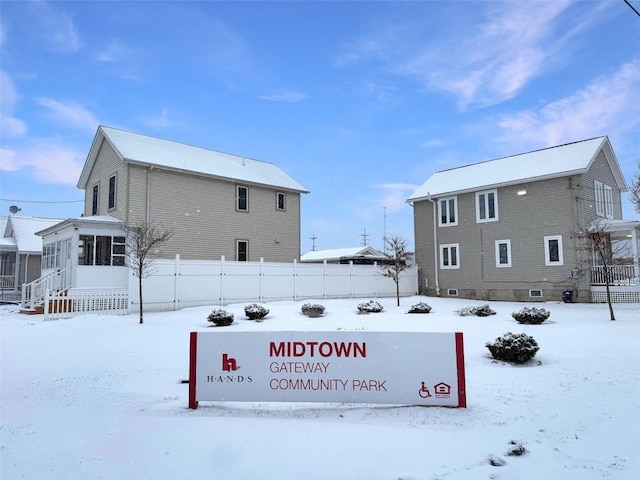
pixel 435 243
pixel 148 182
pixel 26 269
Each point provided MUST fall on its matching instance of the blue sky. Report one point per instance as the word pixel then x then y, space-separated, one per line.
pixel 360 102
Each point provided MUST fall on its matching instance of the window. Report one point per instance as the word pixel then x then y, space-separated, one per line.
pixel 503 253
pixel 487 206
pixel 95 199
pixel 242 250
pixel 242 200
pixel 535 293
pixel 52 255
pixel 553 250
pixel 448 211
pixel 604 199
pixel 281 201
pixel 452 292
pixel 449 255
pixel 102 250
pixel 112 192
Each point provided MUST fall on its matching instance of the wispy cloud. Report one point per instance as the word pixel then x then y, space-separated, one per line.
pixel 392 196
pixel 120 61
pixel 54 27
pixel 47 161
pixel 488 57
pixel 285 96
pixel 611 103
pixel 10 126
pixel 70 114
pixel 161 120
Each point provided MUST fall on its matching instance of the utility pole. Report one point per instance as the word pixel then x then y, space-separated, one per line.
pixel 313 244
pixel 365 238
pixel 384 230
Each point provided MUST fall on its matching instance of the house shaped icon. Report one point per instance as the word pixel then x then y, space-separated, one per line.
pixel 442 389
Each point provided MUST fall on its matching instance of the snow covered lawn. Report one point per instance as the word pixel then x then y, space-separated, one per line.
pixel 99 397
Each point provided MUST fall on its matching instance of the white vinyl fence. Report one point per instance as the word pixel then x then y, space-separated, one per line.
pixel 177 284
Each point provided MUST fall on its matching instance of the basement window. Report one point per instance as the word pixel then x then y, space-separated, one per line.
pixel 535 293
pixel 452 292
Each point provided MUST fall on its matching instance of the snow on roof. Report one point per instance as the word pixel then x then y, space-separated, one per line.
pixel 145 150
pixel 23 231
pixel 571 158
pixel 337 253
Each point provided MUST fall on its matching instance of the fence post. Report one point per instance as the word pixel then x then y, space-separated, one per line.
pixel 47 298
pixel 221 280
pixel 260 278
pixel 176 274
pixel 295 280
pixel 324 279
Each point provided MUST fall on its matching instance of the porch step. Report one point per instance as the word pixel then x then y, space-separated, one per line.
pixel 39 310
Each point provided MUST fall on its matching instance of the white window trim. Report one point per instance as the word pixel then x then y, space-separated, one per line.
pixel 448 246
pixel 238 242
pixel 608 201
pixel 598 188
pixel 547 261
pixel 95 200
pixel 486 193
pixel 115 192
pixel 455 208
pixel 503 265
pixel 284 196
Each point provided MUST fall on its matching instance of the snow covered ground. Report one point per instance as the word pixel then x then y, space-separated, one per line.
pixel 99 397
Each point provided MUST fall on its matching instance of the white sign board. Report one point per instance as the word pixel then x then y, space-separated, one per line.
pixel 347 367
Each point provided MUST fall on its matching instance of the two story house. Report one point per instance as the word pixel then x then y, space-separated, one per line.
pixel 516 228
pixel 217 204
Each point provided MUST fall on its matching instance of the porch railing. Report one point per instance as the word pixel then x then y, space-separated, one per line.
pixel 80 301
pixel 618 275
pixel 33 293
pixel 7 282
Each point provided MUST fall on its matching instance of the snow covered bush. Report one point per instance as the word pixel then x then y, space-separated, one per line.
pixel 532 316
pixel 370 307
pixel 420 307
pixel 513 347
pixel 312 309
pixel 482 311
pixel 256 311
pixel 220 318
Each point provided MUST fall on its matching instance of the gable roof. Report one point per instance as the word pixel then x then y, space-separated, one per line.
pixel 149 151
pixel 23 231
pixel 338 253
pixel 553 162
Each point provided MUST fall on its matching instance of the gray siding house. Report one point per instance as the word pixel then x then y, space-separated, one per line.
pixel 218 204
pixel 514 228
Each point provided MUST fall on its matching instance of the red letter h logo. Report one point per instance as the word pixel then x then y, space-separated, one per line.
pixel 228 364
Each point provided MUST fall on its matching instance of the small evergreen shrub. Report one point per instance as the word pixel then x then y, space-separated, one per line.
pixel 256 312
pixel 420 307
pixel 516 449
pixel 312 309
pixel 513 347
pixel 220 318
pixel 370 307
pixel 482 311
pixel 531 316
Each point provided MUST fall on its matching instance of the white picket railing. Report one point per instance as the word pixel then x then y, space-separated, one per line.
pixel 7 282
pixel 80 301
pixel 33 293
pixel 618 275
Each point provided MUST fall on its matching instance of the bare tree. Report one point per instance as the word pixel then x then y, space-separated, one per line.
pixel 634 193
pixel 398 261
pixel 143 241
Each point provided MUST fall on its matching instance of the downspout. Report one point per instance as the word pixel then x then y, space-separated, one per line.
pixel 435 244
pixel 147 202
pixel 26 268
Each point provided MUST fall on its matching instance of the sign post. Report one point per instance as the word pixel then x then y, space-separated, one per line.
pixel 345 367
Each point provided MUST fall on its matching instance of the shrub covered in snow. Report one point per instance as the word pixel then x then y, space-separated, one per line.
pixel 220 318
pixel 420 307
pixel 312 309
pixel 531 315
pixel 513 347
pixel 370 307
pixel 482 311
pixel 255 311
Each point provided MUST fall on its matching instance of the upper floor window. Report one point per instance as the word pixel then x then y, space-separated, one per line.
pixel 242 250
pixel 503 253
pixel 112 192
pixel 604 199
pixel 448 209
pixel 242 198
pixel 95 198
pixel 449 255
pixel 487 206
pixel 553 250
pixel 281 201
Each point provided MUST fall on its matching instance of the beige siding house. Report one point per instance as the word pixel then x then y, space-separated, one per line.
pixel 514 228
pixel 218 204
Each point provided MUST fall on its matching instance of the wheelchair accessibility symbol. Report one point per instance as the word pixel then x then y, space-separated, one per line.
pixel 424 391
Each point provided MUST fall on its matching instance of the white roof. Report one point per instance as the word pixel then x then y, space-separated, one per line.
pixel 563 160
pixel 338 253
pixel 103 220
pixel 23 231
pixel 143 150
